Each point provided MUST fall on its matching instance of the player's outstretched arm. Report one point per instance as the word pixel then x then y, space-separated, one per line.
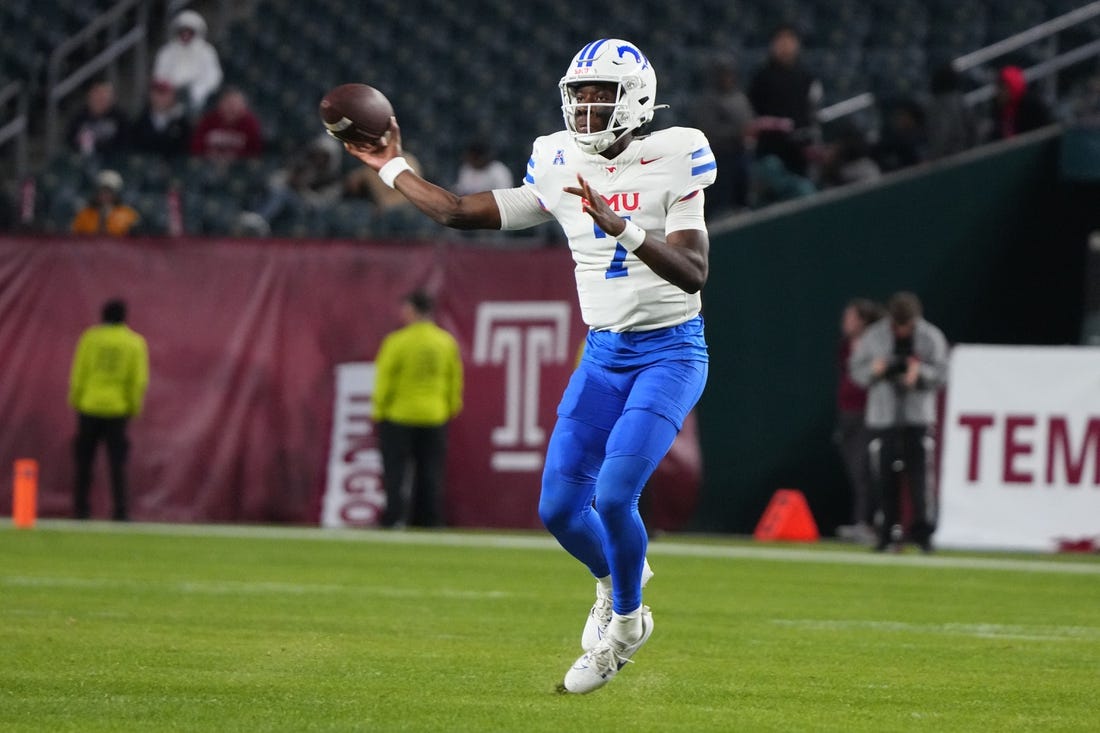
pixel 474 211
pixel 681 257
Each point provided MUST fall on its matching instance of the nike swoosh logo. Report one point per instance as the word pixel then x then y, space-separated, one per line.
pixel 643 161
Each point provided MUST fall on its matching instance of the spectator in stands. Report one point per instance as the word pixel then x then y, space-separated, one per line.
pixel 109 376
pixel 902 362
pixel 162 127
pixel 851 435
pixel 480 171
pixel 949 121
pixel 189 62
pixel 417 391
pixel 105 213
pixel 364 182
pixel 902 140
pixel 228 132
pixel 1016 108
pixel 311 180
pixel 725 116
pixel 99 127
pixel 848 158
pixel 785 96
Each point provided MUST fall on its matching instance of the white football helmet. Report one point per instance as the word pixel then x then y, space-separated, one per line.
pixel 618 62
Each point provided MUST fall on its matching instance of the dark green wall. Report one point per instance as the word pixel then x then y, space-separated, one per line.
pixel 994 245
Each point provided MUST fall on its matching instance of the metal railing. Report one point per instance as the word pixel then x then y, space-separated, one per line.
pixel 1043 70
pixel 15 129
pixel 125 27
pixel 1026 38
pixel 846 107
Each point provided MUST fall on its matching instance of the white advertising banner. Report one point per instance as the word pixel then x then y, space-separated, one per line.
pixel 1021 440
pixel 354 495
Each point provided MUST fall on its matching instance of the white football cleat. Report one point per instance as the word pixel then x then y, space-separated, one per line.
pixel 595 626
pixel 596 667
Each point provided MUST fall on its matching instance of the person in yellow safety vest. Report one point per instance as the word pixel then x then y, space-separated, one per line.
pixel 110 373
pixel 417 391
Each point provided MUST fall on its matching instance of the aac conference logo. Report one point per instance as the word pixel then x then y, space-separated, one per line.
pixel 523 337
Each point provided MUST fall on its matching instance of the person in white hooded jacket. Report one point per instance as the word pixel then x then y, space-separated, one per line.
pixel 189 62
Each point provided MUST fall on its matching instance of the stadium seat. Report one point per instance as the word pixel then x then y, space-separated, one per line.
pixel 897 72
pixel 1011 18
pixel 901 24
pixel 154 212
pixel 349 219
pixel 404 222
pixel 799 13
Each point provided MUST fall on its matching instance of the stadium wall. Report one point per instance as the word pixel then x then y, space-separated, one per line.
pixel 247 341
pixel 994 243
pixel 247 338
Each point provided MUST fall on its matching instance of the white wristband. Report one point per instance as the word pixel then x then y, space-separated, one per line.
pixel 631 237
pixel 388 172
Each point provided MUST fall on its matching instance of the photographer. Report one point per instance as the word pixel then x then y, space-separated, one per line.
pixel 902 361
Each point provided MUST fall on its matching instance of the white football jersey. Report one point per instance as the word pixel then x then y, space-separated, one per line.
pixel 657 183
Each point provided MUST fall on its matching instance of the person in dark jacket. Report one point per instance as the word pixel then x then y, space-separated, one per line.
pixel 949 121
pixel 902 138
pixel 162 127
pixel 785 95
pixel 99 127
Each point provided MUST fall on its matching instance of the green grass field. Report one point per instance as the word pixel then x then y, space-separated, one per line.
pixel 157 627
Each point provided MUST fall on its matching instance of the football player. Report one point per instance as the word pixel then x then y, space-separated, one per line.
pixel 631 206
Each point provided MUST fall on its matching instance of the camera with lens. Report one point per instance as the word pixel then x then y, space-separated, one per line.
pixel 899 360
pixel 896 366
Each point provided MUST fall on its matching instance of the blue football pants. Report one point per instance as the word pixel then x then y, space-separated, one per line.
pixel 613 428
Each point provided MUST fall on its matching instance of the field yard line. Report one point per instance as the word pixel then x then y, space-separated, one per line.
pixel 539 541
pixel 238 587
pixel 869 558
pixel 981 631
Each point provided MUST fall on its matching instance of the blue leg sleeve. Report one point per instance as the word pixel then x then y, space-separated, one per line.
pixel 637 444
pixel 573 460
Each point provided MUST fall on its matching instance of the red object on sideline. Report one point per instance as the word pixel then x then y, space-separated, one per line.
pixel 787 518
pixel 25 493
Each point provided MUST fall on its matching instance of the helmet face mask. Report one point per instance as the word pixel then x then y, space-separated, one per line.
pixel 616 62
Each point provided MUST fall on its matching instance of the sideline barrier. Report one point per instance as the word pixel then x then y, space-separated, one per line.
pixel 243 421
pixel 1021 462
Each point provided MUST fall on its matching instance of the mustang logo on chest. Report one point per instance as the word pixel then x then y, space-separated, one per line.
pixel 622 201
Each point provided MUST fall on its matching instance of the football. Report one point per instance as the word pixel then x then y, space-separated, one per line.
pixel 356 113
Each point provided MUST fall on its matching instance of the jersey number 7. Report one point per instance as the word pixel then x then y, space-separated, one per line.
pixel 616 268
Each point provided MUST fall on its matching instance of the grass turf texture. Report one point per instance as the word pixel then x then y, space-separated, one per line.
pixel 140 627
